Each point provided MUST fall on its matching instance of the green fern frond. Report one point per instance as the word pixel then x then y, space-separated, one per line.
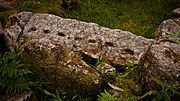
pixel 12 74
pixel 17 85
pixel 107 97
pixel 14 85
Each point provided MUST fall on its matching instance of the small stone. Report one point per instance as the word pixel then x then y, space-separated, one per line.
pixel 176 13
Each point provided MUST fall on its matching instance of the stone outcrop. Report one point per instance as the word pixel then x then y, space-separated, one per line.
pixel 72 75
pixel 162 60
pixel 61 48
pixel 115 45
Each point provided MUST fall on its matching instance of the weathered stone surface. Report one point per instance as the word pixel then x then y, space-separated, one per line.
pixel 71 73
pixel 162 60
pixel 115 45
pixel 20 19
pixel 168 30
pixel 176 13
pixel 58 45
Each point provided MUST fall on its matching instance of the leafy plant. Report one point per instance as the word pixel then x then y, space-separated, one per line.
pixel 174 37
pixel 57 96
pixel 99 62
pixel 13 77
pixel 115 87
pixel 166 92
pixel 107 97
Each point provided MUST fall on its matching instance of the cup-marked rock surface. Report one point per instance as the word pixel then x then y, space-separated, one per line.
pixel 71 73
pixel 56 45
pixel 114 45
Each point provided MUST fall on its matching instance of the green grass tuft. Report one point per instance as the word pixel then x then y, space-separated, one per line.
pixel 141 17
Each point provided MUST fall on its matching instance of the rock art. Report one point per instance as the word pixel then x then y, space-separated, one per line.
pixel 62 47
pixel 115 45
pixel 71 73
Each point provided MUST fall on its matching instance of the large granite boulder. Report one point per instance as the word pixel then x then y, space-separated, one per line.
pixel 162 60
pixel 114 45
pixel 72 75
pixel 63 47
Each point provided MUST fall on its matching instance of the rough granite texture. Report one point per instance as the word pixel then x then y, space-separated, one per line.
pixel 162 60
pixel 72 75
pixel 114 45
pixel 56 45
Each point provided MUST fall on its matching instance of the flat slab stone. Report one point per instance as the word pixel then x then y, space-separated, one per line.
pixel 115 45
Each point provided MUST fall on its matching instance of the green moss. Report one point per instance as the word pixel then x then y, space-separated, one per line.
pixel 66 72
